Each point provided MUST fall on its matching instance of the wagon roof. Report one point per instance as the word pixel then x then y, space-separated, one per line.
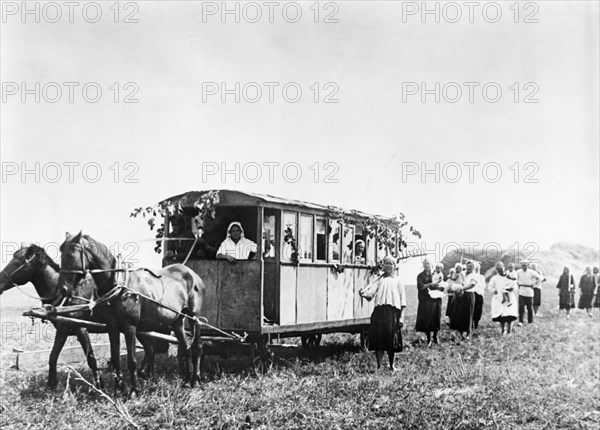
pixel 233 198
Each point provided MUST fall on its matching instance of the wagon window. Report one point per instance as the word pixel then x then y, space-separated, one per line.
pixel 360 248
pixel 370 251
pixel 289 235
pixel 306 237
pixel 321 228
pixel 334 241
pixel 348 244
pixel 269 235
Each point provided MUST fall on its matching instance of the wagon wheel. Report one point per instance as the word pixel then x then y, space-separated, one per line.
pixel 364 340
pixel 262 356
pixel 310 341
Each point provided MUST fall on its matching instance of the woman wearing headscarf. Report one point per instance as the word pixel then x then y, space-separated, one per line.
pixel 479 291
pixel 597 279
pixel 503 311
pixel 387 318
pixel 566 291
pixel 236 246
pixel 463 305
pixel 587 285
pixel 429 311
pixel 456 278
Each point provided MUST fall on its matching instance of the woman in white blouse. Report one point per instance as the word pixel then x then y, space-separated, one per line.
pixel 387 318
pixel 236 246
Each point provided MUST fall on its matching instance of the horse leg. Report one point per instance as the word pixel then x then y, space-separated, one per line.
pixel 114 337
pixel 197 356
pixel 62 333
pixel 147 366
pixel 129 333
pixel 84 339
pixel 182 350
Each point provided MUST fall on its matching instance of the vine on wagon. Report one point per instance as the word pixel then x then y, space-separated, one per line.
pixel 205 204
pixel 382 229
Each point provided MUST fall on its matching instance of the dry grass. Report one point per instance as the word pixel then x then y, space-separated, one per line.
pixel 543 376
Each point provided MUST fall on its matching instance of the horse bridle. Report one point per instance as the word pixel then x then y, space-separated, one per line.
pixel 27 264
pixel 86 272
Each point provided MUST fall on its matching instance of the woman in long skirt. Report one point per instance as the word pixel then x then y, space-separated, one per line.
pixel 478 297
pixel 463 305
pixel 504 300
pixel 456 277
pixel 566 291
pixel 597 279
pixel 587 285
pixel 387 318
pixel 429 311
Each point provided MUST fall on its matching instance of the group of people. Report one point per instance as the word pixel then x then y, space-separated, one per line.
pixel 514 292
pixel 589 285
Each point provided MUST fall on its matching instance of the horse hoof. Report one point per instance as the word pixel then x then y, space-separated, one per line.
pixel 187 384
pixel 142 374
pixel 133 394
pixel 51 386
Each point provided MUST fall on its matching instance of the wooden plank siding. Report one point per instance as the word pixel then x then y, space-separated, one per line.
pixel 362 307
pixel 311 294
pixel 233 293
pixel 287 295
pixel 340 295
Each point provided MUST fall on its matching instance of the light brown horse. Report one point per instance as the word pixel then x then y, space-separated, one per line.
pixel 171 299
pixel 32 264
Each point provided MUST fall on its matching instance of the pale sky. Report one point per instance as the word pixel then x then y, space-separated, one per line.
pixel 371 135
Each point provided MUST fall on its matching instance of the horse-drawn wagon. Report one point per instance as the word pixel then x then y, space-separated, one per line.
pixel 303 279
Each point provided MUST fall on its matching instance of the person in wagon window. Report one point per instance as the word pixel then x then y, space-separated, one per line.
pixel 236 246
pixel 387 318
pixel 359 251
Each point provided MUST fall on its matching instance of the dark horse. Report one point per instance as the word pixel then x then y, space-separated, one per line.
pixel 32 264
pixel 171 299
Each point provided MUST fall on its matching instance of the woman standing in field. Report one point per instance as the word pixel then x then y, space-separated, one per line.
pixel 537 290
pixel 587 285
pixel 463 305
pixel 456 277
pixel 479 291
pixel 387 318
pixel 429 311
pixel 597 279
pixel 566 291
pixel 504 309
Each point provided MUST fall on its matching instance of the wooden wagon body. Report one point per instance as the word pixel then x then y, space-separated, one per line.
pixel 307 287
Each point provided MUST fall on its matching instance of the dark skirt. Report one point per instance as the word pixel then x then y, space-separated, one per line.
pixel 537 297
pixel 429 314
pixel 449 306
pixel 385 331
pixel 585 299
pixel 566 299
pixel 597 301
pixel 477 310
pixel 504 319
pixel 461 317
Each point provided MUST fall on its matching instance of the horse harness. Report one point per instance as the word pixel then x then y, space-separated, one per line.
pixel 122 290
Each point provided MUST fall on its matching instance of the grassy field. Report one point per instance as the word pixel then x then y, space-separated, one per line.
pixel 542 376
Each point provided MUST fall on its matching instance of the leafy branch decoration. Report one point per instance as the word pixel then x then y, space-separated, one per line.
pixel 205 204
